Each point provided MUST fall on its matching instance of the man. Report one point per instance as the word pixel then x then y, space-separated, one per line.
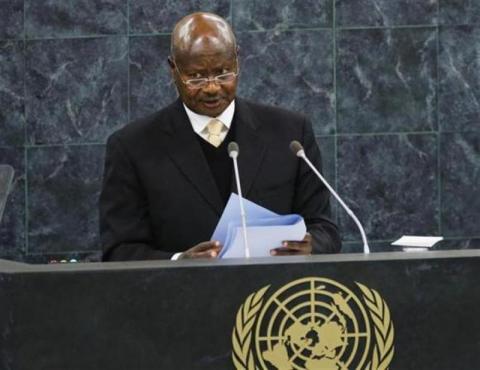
pixel 168 176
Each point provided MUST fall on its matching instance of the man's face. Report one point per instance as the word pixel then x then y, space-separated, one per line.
pixel 213 98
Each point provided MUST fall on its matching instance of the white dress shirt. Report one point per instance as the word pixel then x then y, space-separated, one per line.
pixel 199 124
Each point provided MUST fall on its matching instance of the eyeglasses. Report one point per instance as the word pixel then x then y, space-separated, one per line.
pixel 198 83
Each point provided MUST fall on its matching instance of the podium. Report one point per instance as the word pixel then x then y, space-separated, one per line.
pixel 397 310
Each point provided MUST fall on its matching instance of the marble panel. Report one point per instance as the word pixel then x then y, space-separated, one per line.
pixel 380 246
pixel 12 225
pixel 11 15
pixel 64 184
pixel 12 120
pixel 153 16
pixel 389 91
pixel 261 15
pixel 455 12
pixel 460 176
pixel 360 13
pixel 460 243
pixel 327 147
pixel 60 18
pixel 151 84
pixel 76 89
pixel 390 183
pixel 293 70
pixel 459 79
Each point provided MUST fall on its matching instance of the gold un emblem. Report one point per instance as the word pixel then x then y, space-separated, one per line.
pixel 313 324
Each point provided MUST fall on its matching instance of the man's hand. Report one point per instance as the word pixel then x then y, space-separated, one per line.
pixel 294 248
pixel 203 250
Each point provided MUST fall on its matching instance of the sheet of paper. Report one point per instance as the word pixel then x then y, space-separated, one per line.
pixel 263 236
pixel 265 229
pixel 417 241
pixel 231 213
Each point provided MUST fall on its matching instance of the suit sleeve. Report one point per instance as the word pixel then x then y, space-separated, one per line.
pixel 312 199
pixel 125 228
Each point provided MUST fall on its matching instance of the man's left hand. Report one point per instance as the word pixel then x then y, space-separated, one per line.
pixel 294 248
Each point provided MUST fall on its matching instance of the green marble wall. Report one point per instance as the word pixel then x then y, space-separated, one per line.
pixel 392 87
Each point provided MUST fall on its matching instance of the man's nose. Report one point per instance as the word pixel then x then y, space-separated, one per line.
pixel 212 87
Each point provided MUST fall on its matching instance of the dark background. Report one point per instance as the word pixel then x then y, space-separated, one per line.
pixel 392 88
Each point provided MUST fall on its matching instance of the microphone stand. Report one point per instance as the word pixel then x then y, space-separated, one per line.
pixel 233 151
pixel 298 150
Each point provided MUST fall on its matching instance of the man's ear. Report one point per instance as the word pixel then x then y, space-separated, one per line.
pixel 171 63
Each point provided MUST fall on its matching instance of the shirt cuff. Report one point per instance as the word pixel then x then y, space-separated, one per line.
pixel 176 256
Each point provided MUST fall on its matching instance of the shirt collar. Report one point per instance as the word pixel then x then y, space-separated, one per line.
pixel 199 121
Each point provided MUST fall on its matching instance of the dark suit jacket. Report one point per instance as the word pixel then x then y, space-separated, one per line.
pixel 159 196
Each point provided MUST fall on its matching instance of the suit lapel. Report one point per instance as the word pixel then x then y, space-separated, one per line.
pixel 186 152
pixel 252 147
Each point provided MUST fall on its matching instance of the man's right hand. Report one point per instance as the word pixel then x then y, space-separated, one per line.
pixel 209 249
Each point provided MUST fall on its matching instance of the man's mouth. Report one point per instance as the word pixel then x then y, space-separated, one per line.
pixel 214 103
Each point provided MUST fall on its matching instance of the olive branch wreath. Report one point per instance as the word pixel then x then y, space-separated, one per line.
pixel 243 358
pixel 242 332
pixel 384 331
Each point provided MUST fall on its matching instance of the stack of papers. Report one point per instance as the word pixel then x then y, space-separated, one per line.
pixel 265 229
pixel 417 243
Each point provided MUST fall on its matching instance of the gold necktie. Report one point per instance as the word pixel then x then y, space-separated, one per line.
pixel 214 130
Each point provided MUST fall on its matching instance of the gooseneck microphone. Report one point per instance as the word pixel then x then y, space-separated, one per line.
pixel 298 150
pixel 233 153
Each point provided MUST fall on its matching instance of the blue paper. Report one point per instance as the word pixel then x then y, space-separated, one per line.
pixel 231 214
pixel 265 229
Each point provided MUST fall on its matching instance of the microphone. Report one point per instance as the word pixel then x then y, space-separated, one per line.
pixel 298 150
pixel 233 153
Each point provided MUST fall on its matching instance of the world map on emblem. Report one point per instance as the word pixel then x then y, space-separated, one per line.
pixel 313 324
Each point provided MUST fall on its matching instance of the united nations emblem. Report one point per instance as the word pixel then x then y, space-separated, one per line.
pixel 313 324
